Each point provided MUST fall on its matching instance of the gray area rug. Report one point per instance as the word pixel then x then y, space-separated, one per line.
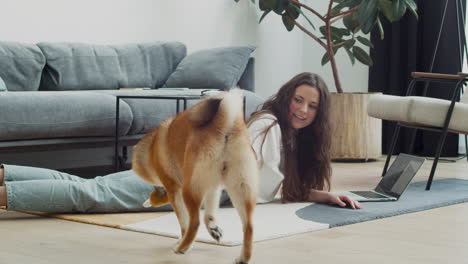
pixel 443 192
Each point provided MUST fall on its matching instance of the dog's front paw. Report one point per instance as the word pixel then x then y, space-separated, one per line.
pixel 239 261
pixel 177 251
pixel 180 251
pixel 216 233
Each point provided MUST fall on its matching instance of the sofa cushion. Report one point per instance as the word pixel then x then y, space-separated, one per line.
pixel 3 87
pixel 80 66
pixel 418 110
pixel 148 113
pixel 218 68
pixel 21 65
pixel 33 115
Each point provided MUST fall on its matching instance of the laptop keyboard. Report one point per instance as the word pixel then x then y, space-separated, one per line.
pixel 367 194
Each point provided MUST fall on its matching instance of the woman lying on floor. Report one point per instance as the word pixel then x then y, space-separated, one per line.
pixel 291 132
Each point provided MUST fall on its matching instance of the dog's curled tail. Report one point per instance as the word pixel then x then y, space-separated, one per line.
pixel 220 111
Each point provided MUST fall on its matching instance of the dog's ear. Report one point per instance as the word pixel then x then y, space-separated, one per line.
pixel 202 113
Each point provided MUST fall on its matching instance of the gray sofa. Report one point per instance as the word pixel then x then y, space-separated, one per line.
pixel 63 95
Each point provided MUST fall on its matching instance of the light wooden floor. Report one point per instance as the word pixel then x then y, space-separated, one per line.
pixel 434 236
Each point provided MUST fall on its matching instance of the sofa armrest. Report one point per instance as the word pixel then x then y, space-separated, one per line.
pixel 247 80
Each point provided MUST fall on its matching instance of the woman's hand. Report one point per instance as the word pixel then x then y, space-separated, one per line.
pixel 343 201
pixel 333 198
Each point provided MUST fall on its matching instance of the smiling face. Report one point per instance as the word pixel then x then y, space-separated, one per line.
pixel 304 106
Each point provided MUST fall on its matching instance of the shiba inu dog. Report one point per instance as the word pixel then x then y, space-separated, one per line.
pixel 189 159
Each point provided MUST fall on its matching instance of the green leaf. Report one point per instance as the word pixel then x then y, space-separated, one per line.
pixel 348 4
pixel 293 10
pixel 336 33
pixel 365 41
pixel 338 7
pixel 351 21
pixel 335 11
pixel 266 4
pixel 367 15
pixel 367 26
pixel 351 56
pixel 412 7
pixel 366 9
pixel 288 23
pixel 326 56
pixel 399 8
pixel 323 30
pixel 264 15
pixel 344 31
pixel 353 3
pixel 362 56
pixel 385 6
pixel 280 6
pixel 349 44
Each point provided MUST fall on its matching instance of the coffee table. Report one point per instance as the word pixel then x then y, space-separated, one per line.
pixel 119 161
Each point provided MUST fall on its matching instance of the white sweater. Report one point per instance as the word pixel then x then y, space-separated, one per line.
pixel 270 158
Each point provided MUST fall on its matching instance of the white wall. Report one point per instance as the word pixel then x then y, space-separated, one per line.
pixel 199 24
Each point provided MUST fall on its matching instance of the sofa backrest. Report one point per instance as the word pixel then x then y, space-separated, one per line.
pixel 21 65
pixel 81 66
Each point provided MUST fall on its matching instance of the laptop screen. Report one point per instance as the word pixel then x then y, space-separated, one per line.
pixel 399 175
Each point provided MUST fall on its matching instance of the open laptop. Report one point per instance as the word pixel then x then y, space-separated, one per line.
pixel 394 183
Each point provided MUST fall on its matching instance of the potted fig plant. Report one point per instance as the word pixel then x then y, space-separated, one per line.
pixel 355 135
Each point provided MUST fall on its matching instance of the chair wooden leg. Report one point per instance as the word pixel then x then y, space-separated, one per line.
pixel 392 148
pixel 436 159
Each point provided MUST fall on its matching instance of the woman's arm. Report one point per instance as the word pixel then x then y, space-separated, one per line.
pixel 268 151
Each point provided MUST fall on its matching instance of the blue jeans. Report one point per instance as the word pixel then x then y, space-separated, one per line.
pixel 44 190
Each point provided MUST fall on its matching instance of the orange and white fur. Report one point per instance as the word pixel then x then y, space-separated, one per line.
pixel 190 157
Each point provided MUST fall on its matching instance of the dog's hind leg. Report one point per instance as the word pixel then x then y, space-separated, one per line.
pixel 211 205
pixel 193 198
pixel 177 202
pixel 243 198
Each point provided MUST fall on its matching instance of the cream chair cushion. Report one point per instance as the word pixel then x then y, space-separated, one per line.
pixel 419 110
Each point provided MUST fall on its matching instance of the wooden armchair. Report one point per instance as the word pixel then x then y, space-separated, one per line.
pixel 421 112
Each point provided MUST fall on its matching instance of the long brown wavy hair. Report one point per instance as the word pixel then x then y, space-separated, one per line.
pixel 306 151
